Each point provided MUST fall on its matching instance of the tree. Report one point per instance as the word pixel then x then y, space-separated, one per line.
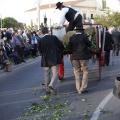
pixel 0 22
pixel 21 25
pixel 10 22
pixel 108 18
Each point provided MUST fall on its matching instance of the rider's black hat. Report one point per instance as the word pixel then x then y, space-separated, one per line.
pixel 58 4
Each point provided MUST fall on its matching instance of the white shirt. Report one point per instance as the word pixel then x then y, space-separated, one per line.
pixel 62 17
pixel 24 35
pixel 45 34
pixel 78 33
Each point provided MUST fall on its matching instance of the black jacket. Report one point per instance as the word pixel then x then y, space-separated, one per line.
pixel 8 35
pixel 70 14
pixel 108 42
pixel 50 48
pixel 116 37
pixel 79 44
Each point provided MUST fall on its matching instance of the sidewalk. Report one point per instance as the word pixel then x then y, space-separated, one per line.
pixel 29 60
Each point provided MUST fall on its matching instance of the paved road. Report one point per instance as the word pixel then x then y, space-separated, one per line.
pixel 22 87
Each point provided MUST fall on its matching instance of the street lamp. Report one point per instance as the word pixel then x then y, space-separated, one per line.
pixel 45 20
pixel 50 17
pixel 1 21
pixel 38 13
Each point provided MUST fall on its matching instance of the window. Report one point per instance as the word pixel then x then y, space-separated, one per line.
pixel 84 15
pixel 91 16
pixel 103 4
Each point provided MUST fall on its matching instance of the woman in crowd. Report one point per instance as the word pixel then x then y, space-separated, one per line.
pixel 34 43
pixel 11 53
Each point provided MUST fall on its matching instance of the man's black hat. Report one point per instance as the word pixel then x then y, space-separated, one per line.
pixel 79 28
pixel 106 28
pixel 58 4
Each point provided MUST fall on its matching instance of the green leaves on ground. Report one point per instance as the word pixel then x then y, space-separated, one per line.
pixel 51 108
pixel 105 111
pixel 84 100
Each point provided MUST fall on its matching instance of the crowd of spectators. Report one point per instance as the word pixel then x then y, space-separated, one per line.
pixel 17 46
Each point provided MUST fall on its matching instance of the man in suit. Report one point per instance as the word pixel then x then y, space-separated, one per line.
pixel 50 48
pixel 116 38
pixel 108 46
pixel 8 35
pixel 72 16
pixel 79 44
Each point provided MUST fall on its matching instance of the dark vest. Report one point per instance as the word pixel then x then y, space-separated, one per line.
pixel 70 14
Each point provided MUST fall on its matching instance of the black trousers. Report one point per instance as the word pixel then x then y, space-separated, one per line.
pixel 116 49
pixel 107 57
pixel 76 22
pixel 20 51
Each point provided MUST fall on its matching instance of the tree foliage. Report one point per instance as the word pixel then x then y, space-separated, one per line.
pixel 21 25
pixel 0 21
pixel 109 18
pixel 10 22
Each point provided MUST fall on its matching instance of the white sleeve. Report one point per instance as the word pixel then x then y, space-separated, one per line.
pixel 62 17
pixel 24 35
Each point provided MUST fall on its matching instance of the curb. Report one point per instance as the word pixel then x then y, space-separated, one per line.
pixel 29 60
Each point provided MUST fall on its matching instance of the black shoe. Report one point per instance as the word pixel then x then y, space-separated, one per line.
pixel 52 91
pixel 43 84
pixel 84 91
pixel 47 92
pixel 60 78
pixel 3 67
pixel 23 61
pixel 33 56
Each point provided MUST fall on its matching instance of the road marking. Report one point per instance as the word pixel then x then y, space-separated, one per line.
pixel 101 106
pixel 19 91
pixel 18 102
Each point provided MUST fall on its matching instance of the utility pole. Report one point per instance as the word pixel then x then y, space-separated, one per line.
pixel 1 21
pixel 38 13
pixel 50 17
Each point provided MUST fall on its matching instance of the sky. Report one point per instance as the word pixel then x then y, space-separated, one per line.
pixel 16 8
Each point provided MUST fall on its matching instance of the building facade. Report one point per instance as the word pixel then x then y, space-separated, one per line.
pixel 87 8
